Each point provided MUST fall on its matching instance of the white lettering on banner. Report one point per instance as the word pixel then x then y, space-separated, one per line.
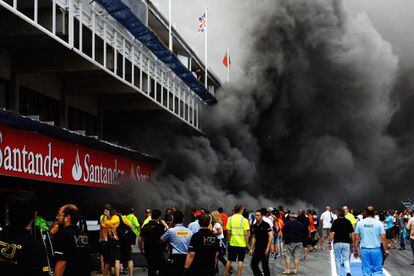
pixel 29 162
pixel 95 173
pixel 137 175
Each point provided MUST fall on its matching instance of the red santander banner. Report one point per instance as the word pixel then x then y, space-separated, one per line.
pixel 30 155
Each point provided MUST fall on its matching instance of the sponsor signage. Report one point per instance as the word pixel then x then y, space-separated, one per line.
pixel 30 155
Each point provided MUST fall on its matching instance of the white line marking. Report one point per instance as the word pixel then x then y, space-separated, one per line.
pixel 386 272
pixel 333 266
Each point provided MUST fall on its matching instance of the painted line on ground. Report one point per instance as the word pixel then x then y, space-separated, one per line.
pixel 333 266
pixel 353 260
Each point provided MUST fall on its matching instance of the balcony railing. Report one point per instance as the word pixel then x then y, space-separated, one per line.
pixel 120 54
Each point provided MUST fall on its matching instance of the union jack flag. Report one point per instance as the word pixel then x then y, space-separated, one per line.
pixel 202 23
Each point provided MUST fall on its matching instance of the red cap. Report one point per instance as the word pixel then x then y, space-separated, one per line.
pixel 197 213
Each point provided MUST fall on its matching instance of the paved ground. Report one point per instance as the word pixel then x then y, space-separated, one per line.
pixel 319 263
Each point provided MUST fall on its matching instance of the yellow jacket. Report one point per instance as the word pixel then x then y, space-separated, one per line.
pixel 109 227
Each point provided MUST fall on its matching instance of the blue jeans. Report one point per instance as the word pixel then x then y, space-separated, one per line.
pixel 371 259
pixel 342 253
pixel 401 240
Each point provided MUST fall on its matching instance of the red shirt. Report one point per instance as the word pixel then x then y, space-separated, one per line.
pixel 312 227
pixel 224 218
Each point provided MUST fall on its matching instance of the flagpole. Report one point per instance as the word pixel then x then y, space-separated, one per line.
pixel 205 53
pixel 170 42
pixel 228 64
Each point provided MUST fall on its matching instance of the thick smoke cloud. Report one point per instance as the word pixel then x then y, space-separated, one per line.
pixel 317 117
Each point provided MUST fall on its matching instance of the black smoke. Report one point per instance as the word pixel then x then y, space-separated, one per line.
pixel 323 114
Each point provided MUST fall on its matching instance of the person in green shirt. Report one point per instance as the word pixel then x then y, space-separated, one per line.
pixel 134 222
pixel 41 223
pixel 349 216
pixel 238 236
pixel 147 217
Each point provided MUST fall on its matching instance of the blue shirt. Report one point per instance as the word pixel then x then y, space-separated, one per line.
pixel 179 237
pixel 194 226
pixel 389 220
pixel 370 231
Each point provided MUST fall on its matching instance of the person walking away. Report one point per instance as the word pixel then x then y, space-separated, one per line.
pixel 368 239
pixel 103 236
pixel 134 222
pixel 224 217
pixel 306 234
pixel 147 217
pixel 168 217
pixel 218 230
pixel 401 229
pixel 326 220
pixel 127 239
pixel 153 249
pixel 389 228
pixel 179 237
pixel 293 236
pixel 238 237
pixel 410 228
pixel 341 235
pixel 71 244
pixel 262 237
pixel 112 253
pixel 20 254
pixel 279 223
pixel 195 226
pixel 203 251
pixel 313 240
pixel 349 216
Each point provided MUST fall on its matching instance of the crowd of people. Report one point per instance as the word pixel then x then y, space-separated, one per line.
pixel 213 237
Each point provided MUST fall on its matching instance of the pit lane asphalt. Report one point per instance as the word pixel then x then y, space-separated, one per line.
pixel 319 263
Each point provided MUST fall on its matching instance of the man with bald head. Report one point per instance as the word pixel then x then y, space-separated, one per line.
pixel 71 245
pixel 326 219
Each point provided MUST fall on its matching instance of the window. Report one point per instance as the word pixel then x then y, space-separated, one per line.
pixel 34 103
pixel 80 120
pixel 4 93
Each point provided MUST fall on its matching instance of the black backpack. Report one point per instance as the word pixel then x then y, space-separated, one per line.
pixel 125 233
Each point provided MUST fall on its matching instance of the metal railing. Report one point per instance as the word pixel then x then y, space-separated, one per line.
pixel 138 67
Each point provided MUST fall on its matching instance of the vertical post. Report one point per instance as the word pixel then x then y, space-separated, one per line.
pixel 192 111
pixel 174 94
pixel 15 4
pixel 168 93
pixel 115 52
pixel 123 58
pixel 148 76
pixel 206 53
pixel 197 111
pixel 104 44
pixel 54 17
pixel 140 70
pixel 36 10
pixel 162 87
pixel 155 81
pixel 178 93
pixel 93 35
pixel 132 64
pixel 170 42
pixel 71 23
pixel 188 106
pixel 80 28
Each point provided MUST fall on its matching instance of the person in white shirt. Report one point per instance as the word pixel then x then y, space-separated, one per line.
pixel 326 218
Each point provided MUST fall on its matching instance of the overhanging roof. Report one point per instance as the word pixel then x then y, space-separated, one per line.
pixel 123 14
pixel 23 123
